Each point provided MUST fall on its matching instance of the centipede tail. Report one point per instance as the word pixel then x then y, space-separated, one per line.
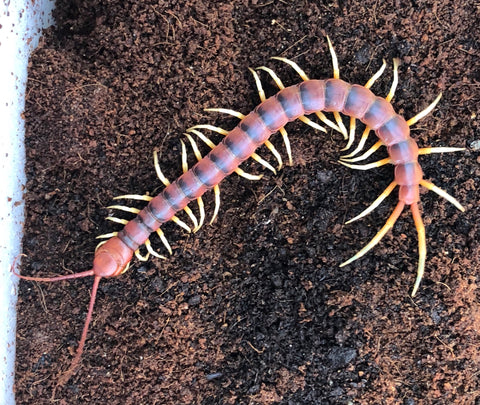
pixel 317 97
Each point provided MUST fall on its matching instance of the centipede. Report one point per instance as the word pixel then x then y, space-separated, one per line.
pixel 310 97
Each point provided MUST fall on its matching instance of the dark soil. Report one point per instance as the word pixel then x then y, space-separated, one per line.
pixel 253 309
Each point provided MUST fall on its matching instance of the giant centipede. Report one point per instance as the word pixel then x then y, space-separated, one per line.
pixel 334 95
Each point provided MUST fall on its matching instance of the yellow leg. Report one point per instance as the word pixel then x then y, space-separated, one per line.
pixel 424 113
pixel 360 145
pixel 430 186
pixel 368 166
pixel 372 150
pixel 376 203
pixel 381 233
pixel 440 149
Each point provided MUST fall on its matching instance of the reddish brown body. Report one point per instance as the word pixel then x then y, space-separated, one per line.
pixel 271 115
pixel 310 96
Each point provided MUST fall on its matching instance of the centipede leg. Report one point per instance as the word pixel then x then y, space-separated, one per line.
pixel 367 166
pixel 439 149
pixel 430 186
pixel 364 156
pixel 422 246
pixel 380 234
pixel 361 144
pixel 376 203
pixel 422 114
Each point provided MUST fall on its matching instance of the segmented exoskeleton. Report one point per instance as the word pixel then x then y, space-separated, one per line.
pixel 290 103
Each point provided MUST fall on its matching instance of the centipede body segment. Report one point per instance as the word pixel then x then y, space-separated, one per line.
pixel 288 104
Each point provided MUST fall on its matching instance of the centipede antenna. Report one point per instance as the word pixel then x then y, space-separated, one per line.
pixel 381 233
pixel 422 246
pixel 430 186
pixel 425 112
pixel 369 152
pixel 439 149
pixel 367 166
pixel 81 344
pixel 376 203
pixel 360 145
pixel 393 88
pixel 52 279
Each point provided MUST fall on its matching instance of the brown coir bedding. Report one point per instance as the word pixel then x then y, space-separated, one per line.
pixel 254 308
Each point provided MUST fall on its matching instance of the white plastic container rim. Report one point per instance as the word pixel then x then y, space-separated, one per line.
pixel 21 23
